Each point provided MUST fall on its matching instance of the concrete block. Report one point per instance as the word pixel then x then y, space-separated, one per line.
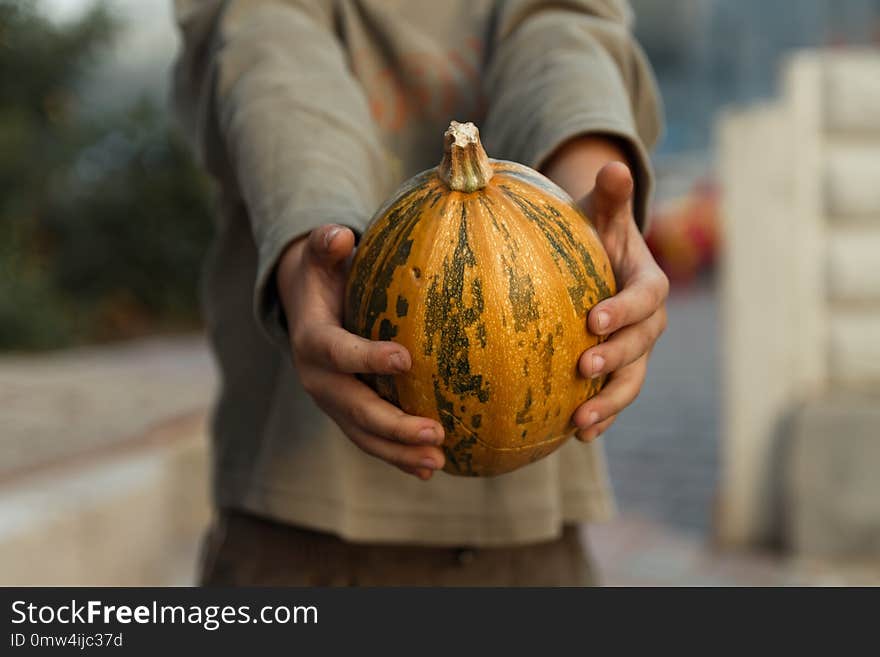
pixel 854 353
pixel 801 206
pixel 852 180
pixel 832 491
pixel 854 264
pixel 852 92
pixel 758 227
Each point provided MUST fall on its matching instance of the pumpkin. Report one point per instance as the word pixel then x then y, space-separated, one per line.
pixel 485 271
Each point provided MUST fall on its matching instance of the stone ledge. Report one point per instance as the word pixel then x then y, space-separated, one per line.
pixel 853 270
pixel 851 175
pixel 853 349
pixel 130 517
pixel 852 91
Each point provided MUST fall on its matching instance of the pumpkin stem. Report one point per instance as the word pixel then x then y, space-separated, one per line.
pixel 465 166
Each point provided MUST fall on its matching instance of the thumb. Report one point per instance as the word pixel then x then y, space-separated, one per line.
pixel 322 273
pixel 611 196
pixel 329 246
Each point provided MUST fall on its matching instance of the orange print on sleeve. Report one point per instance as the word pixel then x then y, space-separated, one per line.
pixel 425 86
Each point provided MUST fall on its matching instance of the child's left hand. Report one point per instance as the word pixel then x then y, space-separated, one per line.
pixel 635 317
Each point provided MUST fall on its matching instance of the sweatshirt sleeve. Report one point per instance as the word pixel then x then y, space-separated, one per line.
pixel 558 70
pixel 263 90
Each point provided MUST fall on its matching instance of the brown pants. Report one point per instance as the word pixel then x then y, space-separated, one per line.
pixel 245 550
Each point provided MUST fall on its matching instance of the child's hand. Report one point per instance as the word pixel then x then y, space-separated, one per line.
pixel 311 281
pixel 634 317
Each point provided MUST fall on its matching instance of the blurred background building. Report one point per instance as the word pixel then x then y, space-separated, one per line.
pixel 104 379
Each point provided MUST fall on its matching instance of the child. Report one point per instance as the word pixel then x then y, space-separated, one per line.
pixel 308 114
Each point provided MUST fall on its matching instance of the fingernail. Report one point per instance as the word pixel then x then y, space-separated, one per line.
pixel 429 435
pixel 602 321
pixel 597 365
pixel 429 463
pixel 329 235
pixel 397 362
pixel 592 418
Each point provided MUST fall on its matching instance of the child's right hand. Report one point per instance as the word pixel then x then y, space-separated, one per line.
pixel 311 281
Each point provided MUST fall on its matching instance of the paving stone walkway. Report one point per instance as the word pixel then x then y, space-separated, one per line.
pixel 663 450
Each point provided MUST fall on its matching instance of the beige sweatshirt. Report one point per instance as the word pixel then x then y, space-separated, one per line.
pixel 308 112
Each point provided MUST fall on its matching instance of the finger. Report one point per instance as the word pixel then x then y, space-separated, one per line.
pixel 421 473
pixel 639 299
pixel 376 416
pixel 621 390
pixel 624 347
pixel 589 435
pixel 612 193
pixel 312 273
pixel 351 401
pixel 330 346
pixel 330 245
pixel 403 456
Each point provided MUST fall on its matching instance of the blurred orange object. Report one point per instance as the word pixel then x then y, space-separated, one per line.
pixel 685 234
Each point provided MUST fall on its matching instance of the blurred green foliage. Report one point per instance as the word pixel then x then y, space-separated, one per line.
pixel 103 220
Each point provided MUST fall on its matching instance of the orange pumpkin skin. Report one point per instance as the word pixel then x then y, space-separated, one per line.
pixel 489 290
